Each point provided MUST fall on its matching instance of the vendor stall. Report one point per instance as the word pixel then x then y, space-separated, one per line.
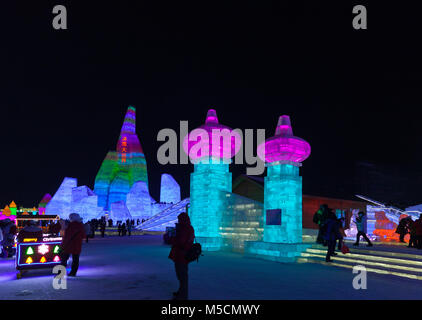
pixel 36 252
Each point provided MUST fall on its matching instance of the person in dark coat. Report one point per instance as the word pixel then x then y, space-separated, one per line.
pixel 72 243
pixel 31 230
pixel 124 229
pixel 129 229
pixel 418 232
pixel 319 218
pixel 102 228
pixel 87 227
pixel 331 235
pixel 181 243
pixel 413 243
pixel 9 231
pixel 402 228
pixel 92 228
pixel 55 229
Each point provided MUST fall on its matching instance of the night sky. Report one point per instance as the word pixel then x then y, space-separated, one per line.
pixel 354 95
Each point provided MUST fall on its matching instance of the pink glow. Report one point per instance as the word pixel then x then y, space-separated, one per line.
pixel 284 146
pixel 11 217
pixel 212 139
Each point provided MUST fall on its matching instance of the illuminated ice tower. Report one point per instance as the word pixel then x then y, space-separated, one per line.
pixel 123 167
pixel 283 154
pixel 210 148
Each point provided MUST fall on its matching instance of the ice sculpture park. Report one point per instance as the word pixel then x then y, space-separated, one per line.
pixel 121 186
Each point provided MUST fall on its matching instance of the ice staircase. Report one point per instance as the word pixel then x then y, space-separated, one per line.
pixel 397 260
pixel 165 218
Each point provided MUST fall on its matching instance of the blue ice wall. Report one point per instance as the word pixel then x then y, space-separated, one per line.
pixel 207 202
pixel 283 191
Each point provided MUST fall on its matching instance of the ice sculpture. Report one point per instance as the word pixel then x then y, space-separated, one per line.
pixel 211 175
pixel 43 203
pixel 283 155
pixel 139 202
pixel 119 187
pixel 170 189
pixel 242 221
pixel 119 211
pixel 7 214
pixel 70 198
pixel 60 203
pixel 13 208
pixel 165 218
pixel 123 167
pixel 84 202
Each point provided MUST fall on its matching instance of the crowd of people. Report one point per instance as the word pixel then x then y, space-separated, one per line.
pixel 73 231
pixel 8 231
pixel 413 228
pixel 331 230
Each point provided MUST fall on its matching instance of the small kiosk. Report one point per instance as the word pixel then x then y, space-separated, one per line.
pixel 35 253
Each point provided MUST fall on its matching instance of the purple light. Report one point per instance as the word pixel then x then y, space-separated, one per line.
pixel 284 146
pixel 212 139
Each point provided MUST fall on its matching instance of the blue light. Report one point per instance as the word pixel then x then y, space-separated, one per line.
pixel 283 190
pixel 208 187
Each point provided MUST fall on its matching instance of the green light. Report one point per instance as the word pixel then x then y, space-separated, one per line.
pixel 29 251
pixel 56 249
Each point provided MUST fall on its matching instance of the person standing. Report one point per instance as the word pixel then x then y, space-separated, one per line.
pixel 87 228
pixel 413 243
pixel 9 232
pixel 181 243
pixel 102 228
pixel 124 229
pixel 72 243
pixel 402 228
pixel 331 235
pixel 418 232
pixel 129 229
pixel 361 227
pixel 317 219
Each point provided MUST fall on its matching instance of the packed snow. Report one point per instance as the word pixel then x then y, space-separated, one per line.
pixel 138 267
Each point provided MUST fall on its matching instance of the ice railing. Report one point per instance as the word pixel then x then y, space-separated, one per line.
pixel 165 218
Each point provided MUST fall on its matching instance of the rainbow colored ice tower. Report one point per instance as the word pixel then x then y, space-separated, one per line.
pixel 211 179
pixel 283 154
pixel 123 167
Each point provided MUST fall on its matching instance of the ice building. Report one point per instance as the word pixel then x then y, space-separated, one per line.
pixel 7 214
pixel 43 203
pixel 242 221
pixel 123 167
pixel 283 154
pixel 211 176
pixel 121 185
pixel 70 198
pixel 170 189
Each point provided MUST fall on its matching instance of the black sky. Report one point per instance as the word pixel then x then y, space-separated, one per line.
pixel 353 95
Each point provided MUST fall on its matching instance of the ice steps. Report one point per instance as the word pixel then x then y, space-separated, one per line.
pixel 380 261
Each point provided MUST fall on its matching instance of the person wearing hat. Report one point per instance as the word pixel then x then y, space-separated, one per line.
pixel 72 242
pixel 31 230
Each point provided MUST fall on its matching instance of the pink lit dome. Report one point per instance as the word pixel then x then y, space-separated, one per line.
pixel 201 143
pixel 284 146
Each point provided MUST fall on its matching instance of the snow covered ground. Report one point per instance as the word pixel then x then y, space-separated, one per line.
pixel 137 267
